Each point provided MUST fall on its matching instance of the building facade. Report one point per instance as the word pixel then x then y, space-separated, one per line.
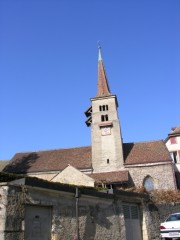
pixel 173 144
pixel 108 162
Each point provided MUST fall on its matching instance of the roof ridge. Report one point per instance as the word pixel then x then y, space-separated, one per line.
pixel 122 170
pixel 157 140
pixel 48 150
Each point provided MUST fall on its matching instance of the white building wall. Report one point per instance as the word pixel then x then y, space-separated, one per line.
pixel 174 147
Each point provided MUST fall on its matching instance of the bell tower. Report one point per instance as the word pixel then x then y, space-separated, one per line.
pixel 107 152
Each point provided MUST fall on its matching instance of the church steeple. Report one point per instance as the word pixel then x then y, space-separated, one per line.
pixel 103 86
pixel 107 152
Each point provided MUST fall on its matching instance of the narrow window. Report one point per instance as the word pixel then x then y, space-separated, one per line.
pixel 104 118
pixel 107 161
pixel 103 108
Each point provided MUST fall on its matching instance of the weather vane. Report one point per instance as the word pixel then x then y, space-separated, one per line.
pixel 99 45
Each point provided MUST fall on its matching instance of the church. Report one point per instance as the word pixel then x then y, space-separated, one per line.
pixel 108 162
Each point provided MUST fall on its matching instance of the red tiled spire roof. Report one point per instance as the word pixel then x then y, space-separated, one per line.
pixel 175 130
pixel 103 87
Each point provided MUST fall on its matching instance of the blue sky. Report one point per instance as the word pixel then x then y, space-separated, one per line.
pixel 48 69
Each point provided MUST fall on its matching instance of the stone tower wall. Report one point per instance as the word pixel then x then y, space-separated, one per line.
pixel 107 152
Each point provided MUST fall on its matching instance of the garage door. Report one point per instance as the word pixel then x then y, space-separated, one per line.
pixel 132 222
pixel 37 223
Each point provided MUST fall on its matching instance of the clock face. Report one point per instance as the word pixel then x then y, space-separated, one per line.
pixel 105 131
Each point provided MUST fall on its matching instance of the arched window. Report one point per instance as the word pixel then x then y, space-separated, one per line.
pixel 148 184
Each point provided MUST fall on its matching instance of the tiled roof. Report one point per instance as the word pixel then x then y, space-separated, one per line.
pixel 3 163
pixel 110 177
pixel 52 160
pixel 146 152
pixel 80 158
pixel 175 130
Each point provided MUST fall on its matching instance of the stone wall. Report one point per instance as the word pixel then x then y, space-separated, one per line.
pixel 71 175
pixel 100 216
pixel 107 153
pixel 159 174
pixel 12 213
pixel 156 214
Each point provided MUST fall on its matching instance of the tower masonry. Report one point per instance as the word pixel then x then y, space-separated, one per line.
pixel 107 152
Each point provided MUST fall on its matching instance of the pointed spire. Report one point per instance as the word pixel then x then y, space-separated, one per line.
pixel 103 87
pixel 99 52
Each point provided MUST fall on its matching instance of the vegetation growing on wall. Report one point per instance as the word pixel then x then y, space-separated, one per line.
pixel 159 196
pixel 166 196
pixel 7 177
